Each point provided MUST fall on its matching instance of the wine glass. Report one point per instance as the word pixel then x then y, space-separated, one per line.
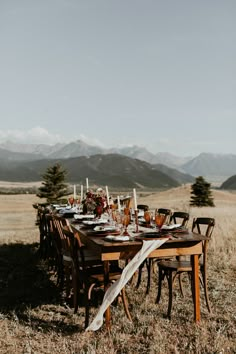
pixel 125 222
pixel 71 201
pixel 114 213
pixel 118 220
pixel 147 217
pixel 126 211
pixel 159 220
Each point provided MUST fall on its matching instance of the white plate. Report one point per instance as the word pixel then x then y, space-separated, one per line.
pixel 95 222
pixel 116 238
pixel 84 216
pixel 170 227
pixel 104 228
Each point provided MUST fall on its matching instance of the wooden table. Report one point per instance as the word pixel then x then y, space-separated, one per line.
pixel 188 243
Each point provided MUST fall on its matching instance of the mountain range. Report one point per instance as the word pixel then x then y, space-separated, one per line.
pixel 26 161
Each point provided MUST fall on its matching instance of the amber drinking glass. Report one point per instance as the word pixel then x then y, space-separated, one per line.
pixel 159 220
pixel 125 222
pixel 71 201
pixel 147 216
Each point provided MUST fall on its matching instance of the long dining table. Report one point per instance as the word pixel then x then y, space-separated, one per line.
pixel 184 244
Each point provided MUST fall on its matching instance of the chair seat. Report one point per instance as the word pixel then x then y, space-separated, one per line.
pixel 100 277
pixel 174 265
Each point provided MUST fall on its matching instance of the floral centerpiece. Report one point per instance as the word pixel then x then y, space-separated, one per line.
pixel 95 202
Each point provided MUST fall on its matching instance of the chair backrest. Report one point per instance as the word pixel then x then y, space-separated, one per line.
pixel 76 247
pixel 166 212
pixel 204 226
pixel 143 207
pixel 179 217
pixel 58 223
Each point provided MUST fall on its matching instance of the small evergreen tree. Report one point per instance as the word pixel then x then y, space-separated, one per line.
pixel 201 193
pixel 54 186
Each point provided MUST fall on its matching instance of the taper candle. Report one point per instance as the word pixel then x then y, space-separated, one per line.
pixel 135 199
pixel 81 193
pixel 107 196
pixel 118 202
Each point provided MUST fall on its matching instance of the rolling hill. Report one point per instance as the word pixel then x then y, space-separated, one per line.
pixel 110 169
pixel 229 184
pixel 213 167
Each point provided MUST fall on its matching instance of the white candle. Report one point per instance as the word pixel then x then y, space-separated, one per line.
pixel 87 185
pixel 118 202
pixel 107 196
pixel 135 199
pixel 81 193
pixel 74 191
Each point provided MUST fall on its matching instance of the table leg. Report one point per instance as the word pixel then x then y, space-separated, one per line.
pixel 195 286
pixel 106 285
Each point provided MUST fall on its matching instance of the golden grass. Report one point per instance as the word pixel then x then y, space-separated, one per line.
pixel 34 317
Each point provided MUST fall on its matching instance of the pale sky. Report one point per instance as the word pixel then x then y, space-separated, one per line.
pixel 155 73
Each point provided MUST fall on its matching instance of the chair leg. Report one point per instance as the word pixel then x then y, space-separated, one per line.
pixel 140 275
pixel 181 285
pixel 75 291
pixel 204 276
pixel 87 299
pixel 170 285
pixel 149 264
pixel 86 323
pixel 161 277
pixel 125 303
pixel 60 274
pixel 68 281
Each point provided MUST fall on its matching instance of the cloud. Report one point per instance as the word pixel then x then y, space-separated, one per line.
pixel 36 135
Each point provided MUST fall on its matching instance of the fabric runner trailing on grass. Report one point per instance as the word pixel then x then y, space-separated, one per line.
pixel 114 290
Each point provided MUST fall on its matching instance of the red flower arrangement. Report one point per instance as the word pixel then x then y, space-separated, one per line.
pixel 95 202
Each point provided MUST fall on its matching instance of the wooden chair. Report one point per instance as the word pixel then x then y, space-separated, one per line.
pixel 143 207
pixel 64 259
pixel 87 278
pixel 179 217
pixel 42 211
pixel 64 265
pixel 150 261
pixel 166 213
pixel 173 268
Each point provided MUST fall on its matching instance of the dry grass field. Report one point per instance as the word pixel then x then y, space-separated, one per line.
pixel 34 317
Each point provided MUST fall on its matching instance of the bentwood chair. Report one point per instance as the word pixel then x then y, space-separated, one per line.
pixel 143 207
pixel 64 259
pixel 149 262
pixel 87 279
pixel 166 213
pixel 42 211
pixel 64 266
pixel 179 217
pixel 173 268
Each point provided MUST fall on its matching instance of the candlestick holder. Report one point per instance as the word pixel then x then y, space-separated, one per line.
pixel 136 221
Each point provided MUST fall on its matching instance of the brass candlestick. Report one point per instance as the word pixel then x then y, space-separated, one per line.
pixel 136 220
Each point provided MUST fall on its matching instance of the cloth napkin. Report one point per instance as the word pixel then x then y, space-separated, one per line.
pixel 114 290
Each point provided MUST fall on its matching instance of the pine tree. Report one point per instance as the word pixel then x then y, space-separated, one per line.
pixel 201 193
pixel 54 186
